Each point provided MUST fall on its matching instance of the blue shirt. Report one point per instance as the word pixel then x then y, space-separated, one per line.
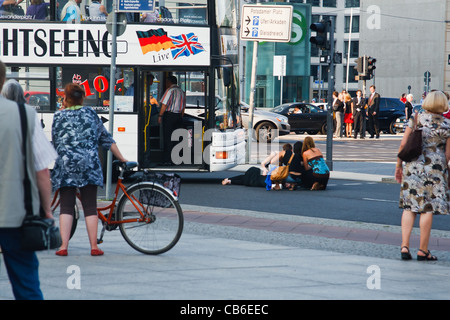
pixel 76 135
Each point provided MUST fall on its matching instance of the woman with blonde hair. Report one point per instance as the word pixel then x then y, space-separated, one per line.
pixel 424 181
pixel 317 172
pixel 348 115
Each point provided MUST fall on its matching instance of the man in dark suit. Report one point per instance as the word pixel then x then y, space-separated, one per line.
pixel 359 115
pixel 373 108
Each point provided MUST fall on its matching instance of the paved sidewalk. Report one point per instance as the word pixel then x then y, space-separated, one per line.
pixel 228 254
pixel 239 256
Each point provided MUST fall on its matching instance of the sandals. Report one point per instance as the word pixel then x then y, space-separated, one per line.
pixel 406 255
pixel 427 256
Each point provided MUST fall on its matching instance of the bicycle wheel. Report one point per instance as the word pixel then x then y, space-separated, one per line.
pixel 161 225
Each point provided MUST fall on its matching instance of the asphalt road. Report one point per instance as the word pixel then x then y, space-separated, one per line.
pixel 368 202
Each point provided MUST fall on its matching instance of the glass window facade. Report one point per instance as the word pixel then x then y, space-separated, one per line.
pixel 88 11
pixel 272 91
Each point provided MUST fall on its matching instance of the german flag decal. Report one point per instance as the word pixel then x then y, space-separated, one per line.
pixel 154 40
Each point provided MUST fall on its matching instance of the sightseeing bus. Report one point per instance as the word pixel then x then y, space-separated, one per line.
pixel 194 40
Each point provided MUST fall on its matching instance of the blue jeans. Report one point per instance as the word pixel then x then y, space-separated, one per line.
pixel 22 266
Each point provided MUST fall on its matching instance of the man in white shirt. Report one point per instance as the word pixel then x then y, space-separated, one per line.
pixel 173 104
pixel 22 266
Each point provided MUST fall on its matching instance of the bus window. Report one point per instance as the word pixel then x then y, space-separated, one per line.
pixel 178 12
pixel 226 13
pixel 35 83
pixel 96 83
pixel 227 111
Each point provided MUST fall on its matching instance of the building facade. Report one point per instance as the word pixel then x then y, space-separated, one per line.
pixel 408 38
pixel 306 77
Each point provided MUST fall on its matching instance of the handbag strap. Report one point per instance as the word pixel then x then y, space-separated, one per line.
pixel 290 159
pixel 415 120
pixel 26 180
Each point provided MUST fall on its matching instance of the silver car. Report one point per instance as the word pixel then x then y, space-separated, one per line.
pixel 267 125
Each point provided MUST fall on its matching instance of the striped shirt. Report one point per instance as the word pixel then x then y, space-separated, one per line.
pixel 175 99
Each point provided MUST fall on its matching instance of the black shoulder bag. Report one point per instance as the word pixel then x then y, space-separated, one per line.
pixel 413 146
pixel 38 232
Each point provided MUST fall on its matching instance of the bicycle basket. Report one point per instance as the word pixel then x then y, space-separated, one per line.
pixel 170 181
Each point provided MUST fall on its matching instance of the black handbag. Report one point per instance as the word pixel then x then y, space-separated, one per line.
pixel 413 146
pixel 38 232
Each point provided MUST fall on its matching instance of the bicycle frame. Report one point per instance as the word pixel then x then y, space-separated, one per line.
pixel 139 207
pixel 110 208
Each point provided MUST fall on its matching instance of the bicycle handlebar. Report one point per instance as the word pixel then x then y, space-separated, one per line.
pixel 126 165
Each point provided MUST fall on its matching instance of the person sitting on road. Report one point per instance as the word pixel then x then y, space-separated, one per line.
pixel 256 177
pixel 296 168
pixel 317 172
pixel 273 160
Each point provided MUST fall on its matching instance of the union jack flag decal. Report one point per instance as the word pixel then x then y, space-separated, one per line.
pixel 185 45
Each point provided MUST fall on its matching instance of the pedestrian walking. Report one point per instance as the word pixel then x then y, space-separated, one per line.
pixel 173 104
pixel 424 181
pixel 338 108
pixel 359 115
pixel 22 266
pixel 373 108
pixel 77 131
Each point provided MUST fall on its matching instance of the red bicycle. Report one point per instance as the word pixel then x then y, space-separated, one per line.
pixel 148 215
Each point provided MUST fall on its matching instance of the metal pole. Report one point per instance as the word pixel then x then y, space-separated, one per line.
pixel 349 47
pixel 331 83
pixel 112 81
pixel 252 101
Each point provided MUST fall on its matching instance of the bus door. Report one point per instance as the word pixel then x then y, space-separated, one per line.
pixel 150 140
pixel 188 147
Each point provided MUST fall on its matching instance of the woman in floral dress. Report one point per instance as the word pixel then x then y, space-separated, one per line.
pixel 424 181
pixel 77 132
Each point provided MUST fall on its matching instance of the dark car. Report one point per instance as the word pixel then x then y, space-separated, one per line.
pixel 400 123
pixel 391 109
pixel 303 117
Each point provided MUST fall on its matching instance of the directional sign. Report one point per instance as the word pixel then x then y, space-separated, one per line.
pixel 266 23
pixel 136 5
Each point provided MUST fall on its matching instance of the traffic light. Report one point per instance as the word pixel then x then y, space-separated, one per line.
pixel 371 66
pixel 321 38
pixel 359 65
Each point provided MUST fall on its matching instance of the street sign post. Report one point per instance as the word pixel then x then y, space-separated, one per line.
pixel 269 23
pixel 266 23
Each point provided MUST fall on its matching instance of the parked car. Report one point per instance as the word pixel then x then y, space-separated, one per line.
pixel 304 117
pixel 267 125
pixel 391 109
